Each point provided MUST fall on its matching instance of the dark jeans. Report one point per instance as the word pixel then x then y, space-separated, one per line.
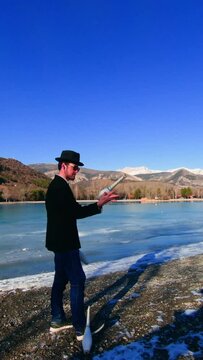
pixel 68 268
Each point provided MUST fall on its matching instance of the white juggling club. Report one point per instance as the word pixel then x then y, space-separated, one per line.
pixel 111 187
pixel 87 337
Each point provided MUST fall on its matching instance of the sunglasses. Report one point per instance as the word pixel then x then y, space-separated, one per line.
pixel 74 167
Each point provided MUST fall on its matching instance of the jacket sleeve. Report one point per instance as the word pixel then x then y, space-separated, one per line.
pixel 82 211
pixel 77 210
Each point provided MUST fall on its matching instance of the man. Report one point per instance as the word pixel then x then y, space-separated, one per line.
pixel 62 238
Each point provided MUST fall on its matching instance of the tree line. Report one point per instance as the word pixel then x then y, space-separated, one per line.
pixel 137 190
pixel 88 190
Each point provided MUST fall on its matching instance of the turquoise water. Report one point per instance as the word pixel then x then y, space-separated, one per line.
pixel 122 230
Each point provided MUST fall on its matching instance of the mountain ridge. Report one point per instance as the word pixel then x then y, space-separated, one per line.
pixel 130 170
pixel 179 177
pixel 145 170
pixel 19 182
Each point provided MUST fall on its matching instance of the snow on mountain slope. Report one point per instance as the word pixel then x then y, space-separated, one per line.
pixel 144 170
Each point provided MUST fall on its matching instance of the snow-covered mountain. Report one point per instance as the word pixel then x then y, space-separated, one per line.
pixel 140 170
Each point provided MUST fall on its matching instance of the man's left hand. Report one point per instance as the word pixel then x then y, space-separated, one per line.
pixel 107 197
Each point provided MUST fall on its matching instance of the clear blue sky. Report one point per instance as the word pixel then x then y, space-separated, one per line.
pixel 121 82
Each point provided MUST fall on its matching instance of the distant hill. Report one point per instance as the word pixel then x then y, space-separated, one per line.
pixel 89 182
pixel 141 170
pixel 23 182
pixel 84 175
pixel 181 177
pixel 178 177
pixel 20 182
pixel 184 177
pixel 140 182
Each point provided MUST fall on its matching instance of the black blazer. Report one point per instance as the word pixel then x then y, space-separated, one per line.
pixel 62 214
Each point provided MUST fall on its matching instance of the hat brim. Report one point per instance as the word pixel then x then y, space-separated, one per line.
pixel 68 160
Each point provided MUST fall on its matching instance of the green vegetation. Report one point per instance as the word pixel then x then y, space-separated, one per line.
pixel 36 195
pixel 2 180
pixel 44 183
pixel 137 194
pixel 1 196
pixel 186 192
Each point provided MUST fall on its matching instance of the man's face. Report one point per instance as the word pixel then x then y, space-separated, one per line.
pixel 71 170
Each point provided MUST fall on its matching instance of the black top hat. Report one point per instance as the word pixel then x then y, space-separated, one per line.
pixel 70 156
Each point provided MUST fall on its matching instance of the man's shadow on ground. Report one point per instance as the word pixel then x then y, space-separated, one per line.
pixel 122 286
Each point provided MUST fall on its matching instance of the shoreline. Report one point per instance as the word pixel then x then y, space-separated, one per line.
pixel 139 201
pixel 97 269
